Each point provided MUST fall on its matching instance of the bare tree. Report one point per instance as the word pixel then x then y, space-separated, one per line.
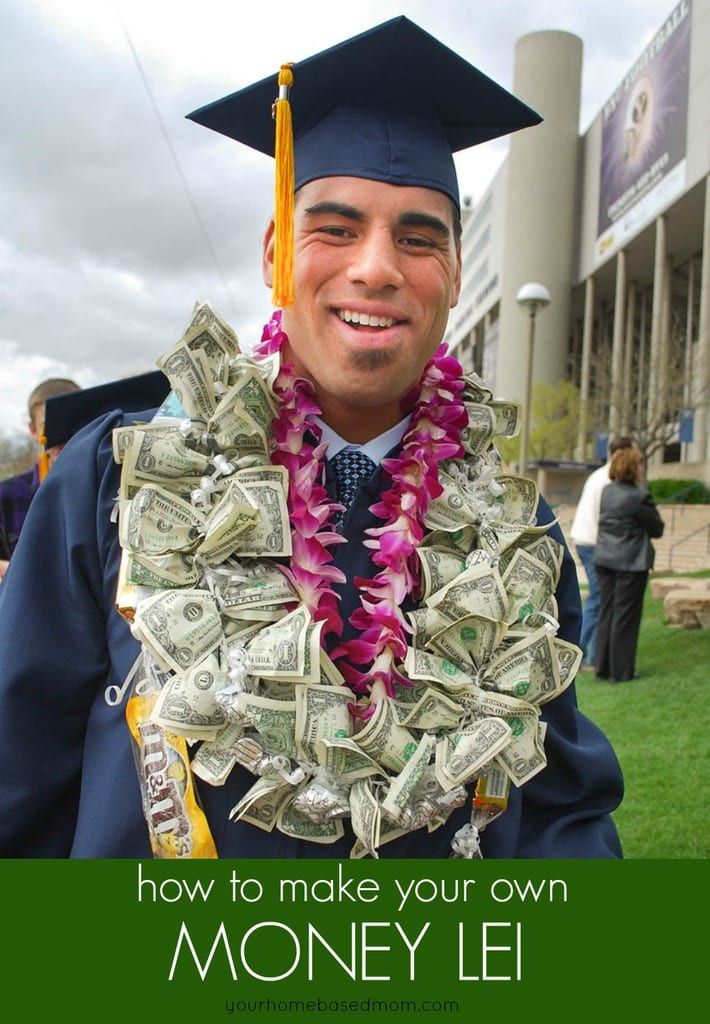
pixel 654 425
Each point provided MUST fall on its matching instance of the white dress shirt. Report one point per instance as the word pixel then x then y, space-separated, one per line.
pixel 585 525
pixel 376 449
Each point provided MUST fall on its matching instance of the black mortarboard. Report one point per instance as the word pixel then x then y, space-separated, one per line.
pixel 65 415
pixel 391 104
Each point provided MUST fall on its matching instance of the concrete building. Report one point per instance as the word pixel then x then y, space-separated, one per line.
pixel 615 222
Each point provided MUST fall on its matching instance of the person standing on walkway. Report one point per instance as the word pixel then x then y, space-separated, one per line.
pixel 584 536
pixel 628 519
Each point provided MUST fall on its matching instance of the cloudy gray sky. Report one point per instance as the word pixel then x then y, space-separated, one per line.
pixel 102 254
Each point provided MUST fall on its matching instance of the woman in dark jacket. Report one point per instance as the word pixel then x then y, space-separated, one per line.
pixel 628 519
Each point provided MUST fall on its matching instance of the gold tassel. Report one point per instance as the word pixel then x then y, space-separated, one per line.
pixel 282 294
pixel 43 459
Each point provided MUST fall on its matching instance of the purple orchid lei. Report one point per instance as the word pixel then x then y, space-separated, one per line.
pixel 438 417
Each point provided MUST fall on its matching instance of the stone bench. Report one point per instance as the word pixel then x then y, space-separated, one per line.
pixel 662 585
pixel 688 607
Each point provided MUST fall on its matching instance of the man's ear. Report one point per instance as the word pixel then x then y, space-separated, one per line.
pixel 267 255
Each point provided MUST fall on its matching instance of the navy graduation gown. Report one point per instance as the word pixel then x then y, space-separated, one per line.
pixel 68 783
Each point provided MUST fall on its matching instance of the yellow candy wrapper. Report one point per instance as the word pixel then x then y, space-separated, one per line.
pixel 177 825
pixel 491 797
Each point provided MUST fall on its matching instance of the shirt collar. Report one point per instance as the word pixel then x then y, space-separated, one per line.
pixel 376 449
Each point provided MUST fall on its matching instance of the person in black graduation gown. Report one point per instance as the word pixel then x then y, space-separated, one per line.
pixel 377 268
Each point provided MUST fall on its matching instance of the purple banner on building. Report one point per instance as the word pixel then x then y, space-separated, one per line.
pixel 644 127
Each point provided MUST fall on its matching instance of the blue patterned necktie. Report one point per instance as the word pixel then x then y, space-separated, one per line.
pixel 351 467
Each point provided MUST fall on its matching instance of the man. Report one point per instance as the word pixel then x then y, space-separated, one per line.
pixel 585 527
pixel 377 267
pixel 17 492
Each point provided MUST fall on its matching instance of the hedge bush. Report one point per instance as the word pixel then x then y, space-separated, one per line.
pixel 692 492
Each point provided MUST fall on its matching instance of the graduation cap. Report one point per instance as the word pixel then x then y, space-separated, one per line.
pixel 391 104
pixel 65 415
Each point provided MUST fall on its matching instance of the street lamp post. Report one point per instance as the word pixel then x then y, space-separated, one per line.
pixel 531 297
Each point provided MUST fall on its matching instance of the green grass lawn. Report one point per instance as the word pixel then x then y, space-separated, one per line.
pixel 659 726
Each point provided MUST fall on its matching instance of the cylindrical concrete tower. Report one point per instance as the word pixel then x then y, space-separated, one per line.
pixel 540 207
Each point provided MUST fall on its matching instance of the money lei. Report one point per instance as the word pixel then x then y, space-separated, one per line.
pixel 238 671
pixel 439 415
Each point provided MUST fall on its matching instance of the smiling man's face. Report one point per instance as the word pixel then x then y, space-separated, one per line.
pixel 377 270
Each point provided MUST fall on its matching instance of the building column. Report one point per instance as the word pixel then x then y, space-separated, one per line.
pixel 465 353
pixel 701 371
pixel 617 346
pixel 481 332
pixel 626 409
pixel 541 203
pixel 665 354
pixel 654 375
pixel 574 367
pixel 587 332
pixel 641 374
pixel 688 354
pixel 602 371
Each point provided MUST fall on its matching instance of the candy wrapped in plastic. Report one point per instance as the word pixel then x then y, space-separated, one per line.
pixel 322 799
pixel 491 796
pixel 177 826
pixel 489 802
pixel 466 844
pixel 249 752
pixel 429 803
